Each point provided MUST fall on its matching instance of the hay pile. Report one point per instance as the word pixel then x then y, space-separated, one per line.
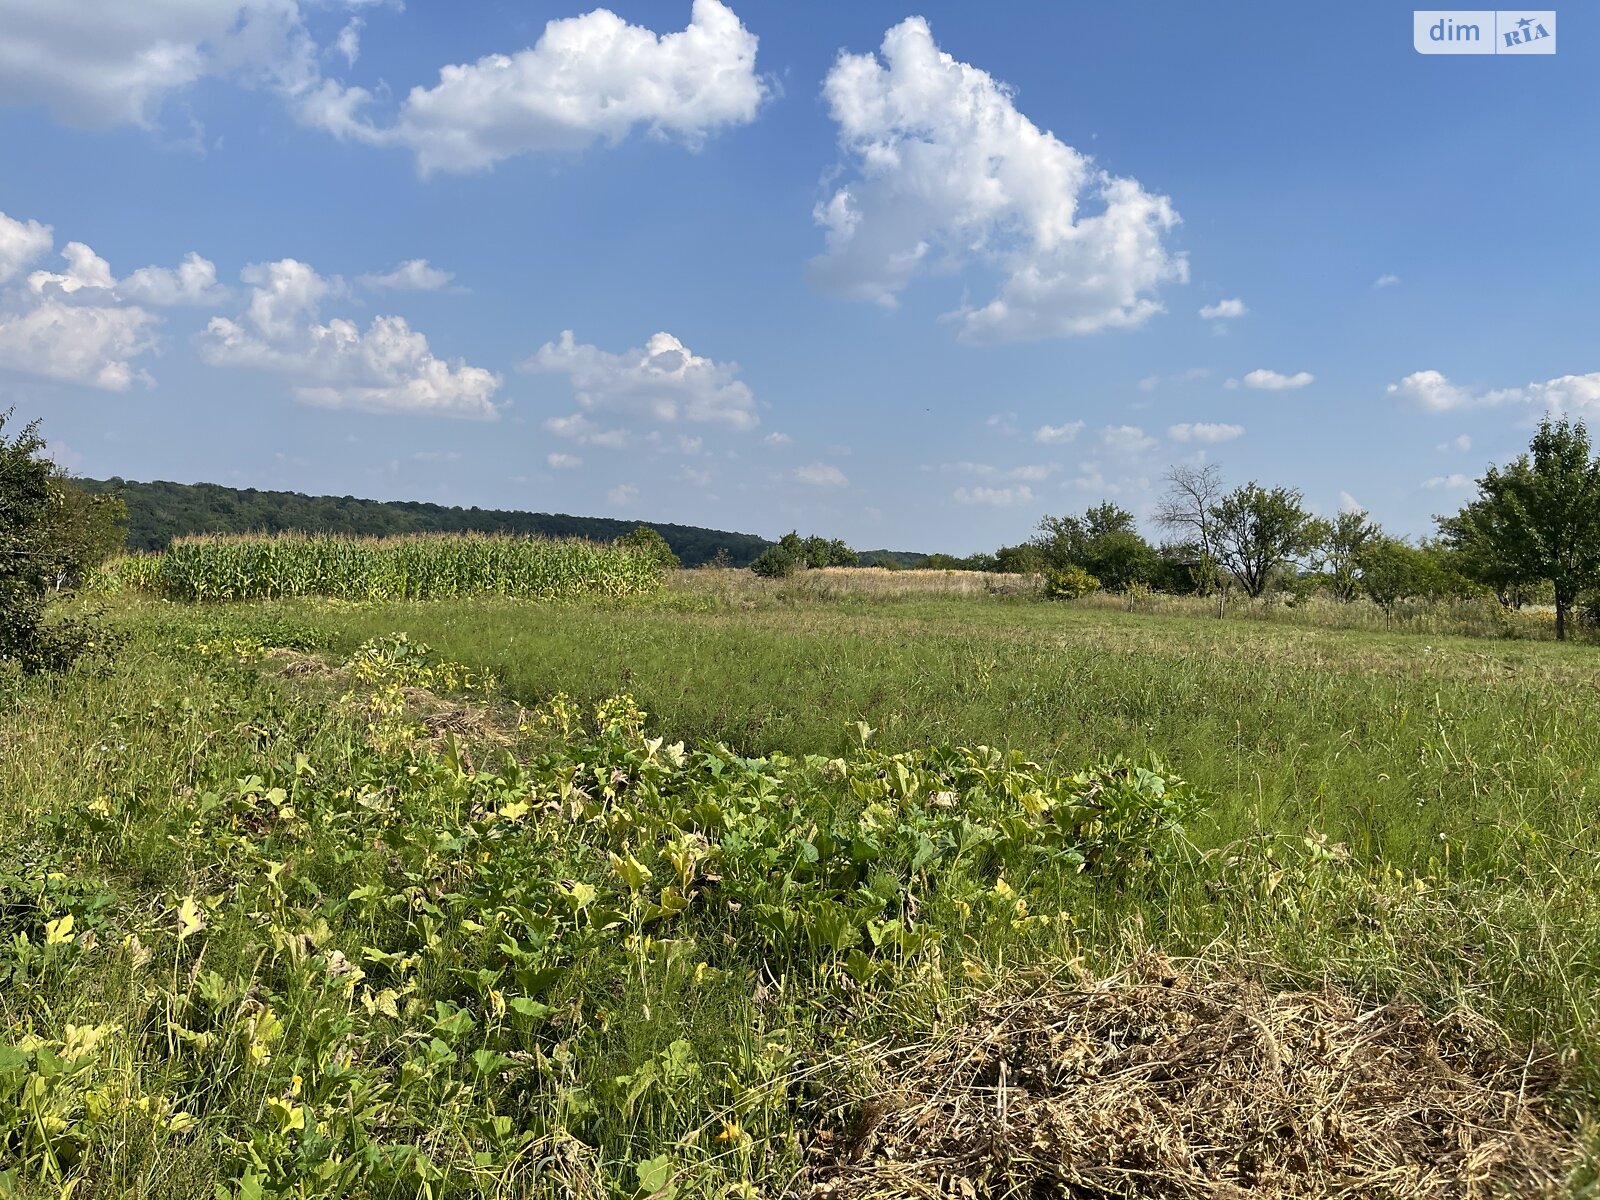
pixel 1153 1084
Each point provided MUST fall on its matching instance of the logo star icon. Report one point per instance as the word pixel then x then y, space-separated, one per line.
pixel 1524 23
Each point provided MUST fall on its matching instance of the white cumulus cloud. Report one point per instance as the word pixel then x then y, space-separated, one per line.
pixel 1201 431
pixel 587 79
pixel 413 275
pixel 663 380
pixel 1004 497
pixel 1273 381
pixel 948 174
pixel 563 462
pixel 585 432
pixel 97 64
pixel 1565 395
pixel 80 324
pixel 77 343
pixel 193 281
pixel 387 367
pixel 1224 310
pixel 622 494
pixel 1127 439
pixel 22 243
pixel 1451 481
pixel 1056 434
pixel 821 475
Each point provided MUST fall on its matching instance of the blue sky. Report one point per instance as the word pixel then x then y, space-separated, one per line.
pixel 912 276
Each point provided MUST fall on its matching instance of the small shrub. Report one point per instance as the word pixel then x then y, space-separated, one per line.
pixel 648 541
pixel 1069 583
pixel 775 563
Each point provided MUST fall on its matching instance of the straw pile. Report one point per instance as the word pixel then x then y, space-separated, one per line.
pixel 1154 1084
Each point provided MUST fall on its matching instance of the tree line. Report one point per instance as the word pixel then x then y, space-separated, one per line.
pixel 160 511
pixel 1532 532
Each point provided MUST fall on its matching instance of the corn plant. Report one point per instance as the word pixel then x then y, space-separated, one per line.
pixel 421 567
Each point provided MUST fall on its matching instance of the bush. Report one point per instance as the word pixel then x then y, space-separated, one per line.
pixel 43 547
pixel 648 541
pixel 775 563
pixel 1069 583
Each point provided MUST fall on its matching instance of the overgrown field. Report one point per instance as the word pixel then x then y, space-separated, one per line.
pixel 291 905
pixel 414 567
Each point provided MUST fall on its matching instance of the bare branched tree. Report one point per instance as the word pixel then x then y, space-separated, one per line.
pixel 1186 510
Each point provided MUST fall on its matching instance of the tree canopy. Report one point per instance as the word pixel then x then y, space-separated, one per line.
pixel 51 534
pixel 1537 520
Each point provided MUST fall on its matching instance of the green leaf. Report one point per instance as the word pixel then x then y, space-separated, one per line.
pixel 655 1177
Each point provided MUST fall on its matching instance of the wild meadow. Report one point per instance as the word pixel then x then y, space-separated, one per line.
pixel 653 896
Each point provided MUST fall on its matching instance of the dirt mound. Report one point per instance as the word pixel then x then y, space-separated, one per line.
pixel 1155 1085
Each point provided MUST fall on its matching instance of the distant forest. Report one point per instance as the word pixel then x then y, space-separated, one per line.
pixel 161 511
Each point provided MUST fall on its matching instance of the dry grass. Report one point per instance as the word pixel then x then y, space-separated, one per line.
pixel 829 583
pixel 1156 1084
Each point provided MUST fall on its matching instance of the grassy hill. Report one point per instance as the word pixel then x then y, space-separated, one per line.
pixel 160 511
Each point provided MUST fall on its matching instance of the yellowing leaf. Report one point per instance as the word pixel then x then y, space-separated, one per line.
pixel 191 918
pixel 291 1117
pixel 58 932
pixel 630 870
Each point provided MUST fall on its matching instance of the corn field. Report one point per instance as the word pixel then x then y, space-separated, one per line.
pixel 421 567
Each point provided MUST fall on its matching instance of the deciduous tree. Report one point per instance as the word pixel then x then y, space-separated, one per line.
pixel 1537 519
pixel 1255 531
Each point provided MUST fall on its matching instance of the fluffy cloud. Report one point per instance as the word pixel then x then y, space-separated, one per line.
pixel 622 494
pixel 1571 394
pixel 21 244
pixel 1224 310
pixel 348 43
pixel 1127 439
pixel 1349 504
pixel 1030 472
pixel 80 324
pixel 193 281
pixel 90 344
pixel 1451 481
pixel 1565 394
pixel 1431 390
pixel 1461 443
pixel 588 78
pixel 85 269
pixel 777 439
pixel 386 368
pixel 1056 434
pixel 585 432
pixel 1383 281
pixel 563 462
pixel 97 65
pixel 413 275
pixel 1005 497
pixel 1272 381
pixel 948 173
pixel 820 475
pixel 663 381
pixel 1203 432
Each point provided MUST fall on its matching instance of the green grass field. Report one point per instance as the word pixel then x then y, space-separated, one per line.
pixel 389 928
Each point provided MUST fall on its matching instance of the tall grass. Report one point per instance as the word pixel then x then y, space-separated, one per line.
pixel 417 567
